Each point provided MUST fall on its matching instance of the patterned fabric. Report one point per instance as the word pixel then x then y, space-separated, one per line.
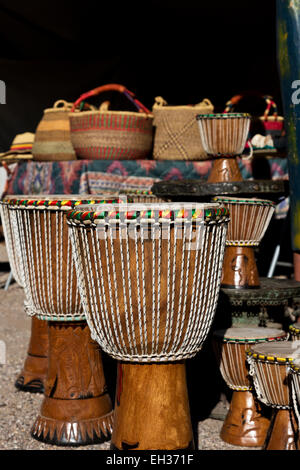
pixel 92 177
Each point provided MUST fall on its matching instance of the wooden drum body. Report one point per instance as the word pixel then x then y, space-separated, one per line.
pixel 149 277
pixel 269 367
pixel 77 409
pixel 34 371
pixel 224 137
pixel 249 220
pixel 245 424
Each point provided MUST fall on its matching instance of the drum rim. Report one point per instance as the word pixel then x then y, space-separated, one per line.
pixel 279 337
pixel 268 358
pixel 251 201
pixel 151 211
pixel 294 329
pixel 199 117
pixel 58 204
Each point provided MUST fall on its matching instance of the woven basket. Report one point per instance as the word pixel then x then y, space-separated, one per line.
pixel 111 135
pixel 176 131
pixel 52 136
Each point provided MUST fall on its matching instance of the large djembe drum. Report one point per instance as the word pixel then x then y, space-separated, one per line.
pixel 76 409
pixel 149 278
pixel 249 220
pixel 246 424
pixel 224 137
pixel 33 374
pixel 269 368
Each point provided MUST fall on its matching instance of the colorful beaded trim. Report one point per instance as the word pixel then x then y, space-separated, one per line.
pixel 55 204
pixel 203 214
pixel 294 329
pixel 223 116
pixel 275 359
pixel 254 340
pixel 256 202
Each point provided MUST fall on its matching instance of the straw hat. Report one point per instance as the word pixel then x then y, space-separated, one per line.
pixel 20 149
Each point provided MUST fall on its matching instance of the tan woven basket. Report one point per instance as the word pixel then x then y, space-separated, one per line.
pixel 52 136
pixel 177 135
pixel 111 135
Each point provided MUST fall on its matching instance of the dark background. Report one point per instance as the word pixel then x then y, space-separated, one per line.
pixel 182 50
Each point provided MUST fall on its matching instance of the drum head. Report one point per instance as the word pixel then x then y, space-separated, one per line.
pixel 250 334
pixel 285 350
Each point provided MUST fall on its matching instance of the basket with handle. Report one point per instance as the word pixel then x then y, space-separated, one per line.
pixel 52 140
pixel 176 130
pixel 267 131
pixel 104 134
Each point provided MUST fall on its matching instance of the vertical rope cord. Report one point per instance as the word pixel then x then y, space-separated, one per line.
pixel 103 324
pixel 142 232
pixel 12 254
pixel 158 230
pixel 167 333
pixel 138 268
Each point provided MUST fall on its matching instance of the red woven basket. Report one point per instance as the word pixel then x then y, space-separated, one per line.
pixel 111 135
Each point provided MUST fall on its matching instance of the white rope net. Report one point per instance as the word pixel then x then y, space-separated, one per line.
pixel 46 257
pixel 148 294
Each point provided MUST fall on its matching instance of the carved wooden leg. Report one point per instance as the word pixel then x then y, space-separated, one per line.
pixel 244 424
pixel 76 409
pixel 224 169
pixel 152 408
pixel 33 374
pixel 282 432
pixel 239 268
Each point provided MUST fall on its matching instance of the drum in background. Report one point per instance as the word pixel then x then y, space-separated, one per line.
pixel 140 196
pixel 76 409
pixel 224 137
pixel 34 371
pixel 249 220
pixel 294 380
pixel 246 423
pixel 269 368
pixel 295 331
pixel 149 277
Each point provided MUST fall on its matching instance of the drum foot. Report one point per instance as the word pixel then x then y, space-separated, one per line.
pixel 78 433
pixel 224 169
pixel 282 432
pixel 33 375
pixel 152 409
pixel 244 424
pixel 239 268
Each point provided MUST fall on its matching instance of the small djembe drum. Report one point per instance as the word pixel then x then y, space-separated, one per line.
pixel 245 424
pixel 33 375
pixel 76 409
pixel 149 278
pixel 295 331
pixel 269 368
pixel 249 220
pixel 224 137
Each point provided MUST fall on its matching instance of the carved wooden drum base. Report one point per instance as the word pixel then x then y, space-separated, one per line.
pixel 239 268
pixel 224 169
pixel 282 431
pixel 245 424
pixel 33 374
pixel 76 409
pixel 152 408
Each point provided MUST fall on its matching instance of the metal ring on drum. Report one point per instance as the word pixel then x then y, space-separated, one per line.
pixel 76 409
pixel 247 422
pixel 149 277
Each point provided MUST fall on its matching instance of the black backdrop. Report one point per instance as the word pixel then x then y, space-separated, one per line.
pixel 183 50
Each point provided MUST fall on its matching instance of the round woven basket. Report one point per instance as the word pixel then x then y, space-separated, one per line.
pixel 111 135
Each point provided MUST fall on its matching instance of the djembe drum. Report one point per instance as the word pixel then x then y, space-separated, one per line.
pixel 33 374
pixel 249 220
pixel 245 424
pixel 224 137
pixel 269 368
pixel 149 278
pixel 76 409
pixel 294 380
